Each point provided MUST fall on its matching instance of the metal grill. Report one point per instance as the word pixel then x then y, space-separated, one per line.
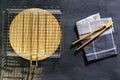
pixel 10 58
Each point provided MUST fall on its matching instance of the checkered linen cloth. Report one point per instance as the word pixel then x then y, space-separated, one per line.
pixel 103 46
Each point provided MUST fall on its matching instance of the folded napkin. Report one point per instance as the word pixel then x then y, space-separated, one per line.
pixel 103 46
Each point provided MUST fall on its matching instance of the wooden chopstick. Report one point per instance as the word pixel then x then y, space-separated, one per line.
pixel 90 40
pixel 104 28
pixel 87 35
pixel 92 33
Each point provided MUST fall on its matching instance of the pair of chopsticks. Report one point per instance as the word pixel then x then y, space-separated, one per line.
pixel 97 32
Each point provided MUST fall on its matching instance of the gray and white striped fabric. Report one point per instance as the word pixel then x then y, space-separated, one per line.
pixel 102 47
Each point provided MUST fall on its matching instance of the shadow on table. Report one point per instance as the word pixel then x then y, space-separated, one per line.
pixel 18 68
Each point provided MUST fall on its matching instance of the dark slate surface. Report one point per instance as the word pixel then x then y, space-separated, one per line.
pixel 74 67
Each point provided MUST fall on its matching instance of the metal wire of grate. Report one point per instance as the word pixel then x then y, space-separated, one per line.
pixel 13 67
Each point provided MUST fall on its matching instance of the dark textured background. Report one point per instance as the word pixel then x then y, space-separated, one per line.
pixel 69 66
